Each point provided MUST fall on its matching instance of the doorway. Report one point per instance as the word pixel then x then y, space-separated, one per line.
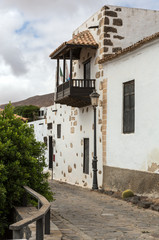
pixel 50 152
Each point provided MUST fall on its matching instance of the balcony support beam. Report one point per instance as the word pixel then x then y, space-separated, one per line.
pixel 64 67
pixel 57 74
pixel 71 64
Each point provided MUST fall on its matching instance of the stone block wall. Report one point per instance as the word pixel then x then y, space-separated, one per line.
pixel 109 22
pixel 139 182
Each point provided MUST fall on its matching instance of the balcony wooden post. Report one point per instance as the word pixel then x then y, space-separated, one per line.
pixel 57 76
pixel 71 67
pixel 64 66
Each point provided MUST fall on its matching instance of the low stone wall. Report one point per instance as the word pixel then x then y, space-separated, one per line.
pixel 138 181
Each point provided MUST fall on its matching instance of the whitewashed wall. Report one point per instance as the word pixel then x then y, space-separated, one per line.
pixel 76 124
pixel 40 131
pixel 139 150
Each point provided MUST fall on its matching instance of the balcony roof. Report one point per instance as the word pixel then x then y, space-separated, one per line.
pixel 82 39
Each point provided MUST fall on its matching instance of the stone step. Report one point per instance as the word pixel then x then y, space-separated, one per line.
pixel 30 231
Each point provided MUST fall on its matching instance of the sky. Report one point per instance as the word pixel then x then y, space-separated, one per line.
pixel 30 30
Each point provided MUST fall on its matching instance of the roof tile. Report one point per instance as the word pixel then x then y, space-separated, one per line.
pixel 84 38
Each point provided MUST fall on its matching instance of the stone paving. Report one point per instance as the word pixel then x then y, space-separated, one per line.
pixel 82 214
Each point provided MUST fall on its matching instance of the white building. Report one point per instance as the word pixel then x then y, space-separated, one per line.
pixel 106 33
pixel 40 131
pixel 42 113
pixel 103 54
pixel 132 139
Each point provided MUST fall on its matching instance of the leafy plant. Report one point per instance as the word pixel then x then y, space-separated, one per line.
pixel 31 112
pixel 22 161
pixel 127 193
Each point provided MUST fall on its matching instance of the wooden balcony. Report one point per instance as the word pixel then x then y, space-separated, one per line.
pixel 75 92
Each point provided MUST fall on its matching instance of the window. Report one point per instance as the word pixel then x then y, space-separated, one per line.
pixel 86 156
pixel 129 107
pixel 87 69
pixel 50 152
pixel 49 126
pixel 58 130
pixel 41 113
pixel 45 140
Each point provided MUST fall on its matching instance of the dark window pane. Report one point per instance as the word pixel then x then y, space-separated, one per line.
pixel 58 130
pixel 49 126
pixel 132 101
pixel 86 156
pixel 126 102
pixel 129 107
pixel 45 140
pixel 87 70
pixel 50 152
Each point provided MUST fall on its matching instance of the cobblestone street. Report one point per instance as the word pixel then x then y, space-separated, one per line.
pixel 84 214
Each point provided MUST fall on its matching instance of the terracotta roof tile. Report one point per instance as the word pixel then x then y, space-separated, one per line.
pixel 16 116
pixel 130 48
pixel 84 38
pixel 22 118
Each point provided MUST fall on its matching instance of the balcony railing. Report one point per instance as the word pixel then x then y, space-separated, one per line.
pixel 83 83
pixel 75 89
pixel 75 92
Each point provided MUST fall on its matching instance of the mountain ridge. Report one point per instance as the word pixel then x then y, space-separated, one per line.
pixel 38 100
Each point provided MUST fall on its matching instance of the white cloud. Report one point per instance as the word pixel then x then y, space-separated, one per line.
pixel 30 30
pixel 9 49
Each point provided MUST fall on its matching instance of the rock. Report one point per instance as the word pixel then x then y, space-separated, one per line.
pixel 135 199
pixel 144 204
pixel 69 169
pixel 155 207
pixel 110 193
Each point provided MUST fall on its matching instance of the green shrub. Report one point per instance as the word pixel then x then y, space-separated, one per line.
pixel 127 193
pixel 31 112
pixel 3 178
pixel 22 160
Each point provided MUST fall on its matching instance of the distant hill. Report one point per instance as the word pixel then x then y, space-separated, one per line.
pixel 39 100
